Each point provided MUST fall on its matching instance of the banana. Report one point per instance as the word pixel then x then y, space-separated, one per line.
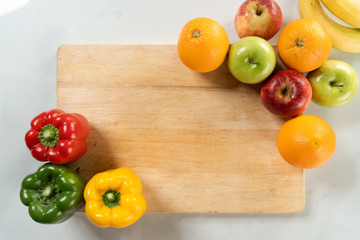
pixel 346 10
pixel 343 38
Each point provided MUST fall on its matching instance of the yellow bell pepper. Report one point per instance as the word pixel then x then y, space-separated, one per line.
pixel 114 199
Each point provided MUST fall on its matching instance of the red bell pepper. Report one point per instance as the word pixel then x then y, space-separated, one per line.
pixel 57 136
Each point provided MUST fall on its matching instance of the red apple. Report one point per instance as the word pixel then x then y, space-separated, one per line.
pixel 262 18
pixel 287 93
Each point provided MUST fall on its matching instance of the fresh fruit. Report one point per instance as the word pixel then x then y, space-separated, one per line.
pixel 346 10
pixel 343 38
pixel 57 136
pixel 262 18
pixel 202 44
pixel 306 141
pixel 251 60
pixel 287 93
pixel 334 84
pixel 304 45
pixel 53 193
pixel 114 198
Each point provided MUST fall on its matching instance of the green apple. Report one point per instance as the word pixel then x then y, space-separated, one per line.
pixel 251 60
pixel 334 84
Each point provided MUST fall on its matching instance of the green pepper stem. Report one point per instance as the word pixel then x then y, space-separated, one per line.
pixel 47 191
pixel 111 198
pixel 49 135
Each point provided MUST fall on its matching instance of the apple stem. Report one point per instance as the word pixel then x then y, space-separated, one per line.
pixel 252 60
pixel 258 10
pixel 284 91
pixel 337 85
pixel 299 43
pixel 196 34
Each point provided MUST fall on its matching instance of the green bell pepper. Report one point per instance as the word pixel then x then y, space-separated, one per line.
pixel 53 193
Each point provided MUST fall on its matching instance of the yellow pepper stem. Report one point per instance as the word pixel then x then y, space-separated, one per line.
pixel 111 198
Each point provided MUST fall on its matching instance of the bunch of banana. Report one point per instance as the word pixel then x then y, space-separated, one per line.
pixel 343 38
pixel 346 10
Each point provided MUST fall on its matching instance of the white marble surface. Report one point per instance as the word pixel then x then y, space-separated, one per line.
pixel 29 38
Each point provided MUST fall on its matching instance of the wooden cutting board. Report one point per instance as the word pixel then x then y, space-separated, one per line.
pixel 200 143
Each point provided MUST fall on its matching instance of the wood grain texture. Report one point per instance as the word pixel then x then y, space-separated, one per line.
pixel 199 142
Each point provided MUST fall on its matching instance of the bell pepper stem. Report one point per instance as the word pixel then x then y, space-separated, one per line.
pixel 47 191
pixel 49 135
pixel 111 198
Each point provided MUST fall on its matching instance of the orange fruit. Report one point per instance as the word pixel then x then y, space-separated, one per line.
pixel 202 44
pixel 306 141
pixel 304 45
